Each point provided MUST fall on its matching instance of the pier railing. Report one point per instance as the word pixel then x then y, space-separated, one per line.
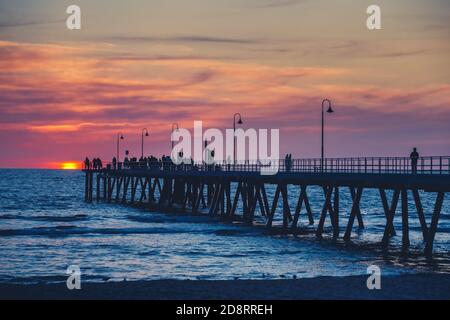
pixel 439 165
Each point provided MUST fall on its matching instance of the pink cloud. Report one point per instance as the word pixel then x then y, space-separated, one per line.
pixel 70 101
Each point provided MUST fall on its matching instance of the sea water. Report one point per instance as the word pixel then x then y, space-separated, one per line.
pixel 45 227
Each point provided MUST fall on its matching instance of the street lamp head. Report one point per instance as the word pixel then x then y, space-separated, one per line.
pixel 240 118
pixel 330 110
pixel 146 134
pixel 121 137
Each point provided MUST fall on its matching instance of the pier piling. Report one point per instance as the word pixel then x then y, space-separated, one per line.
pixel 226 188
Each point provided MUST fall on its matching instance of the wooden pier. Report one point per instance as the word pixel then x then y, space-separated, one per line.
pixel 191 188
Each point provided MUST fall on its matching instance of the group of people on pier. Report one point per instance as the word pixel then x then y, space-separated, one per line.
pixel 150 162
pixel 95 164
pixel 166 163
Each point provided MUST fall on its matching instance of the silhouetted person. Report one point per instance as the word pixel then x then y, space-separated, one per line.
pixel 414 156
pixel 287 162
pixel 114 163
pixel 86 163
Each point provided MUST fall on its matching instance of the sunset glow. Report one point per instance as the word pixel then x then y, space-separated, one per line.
pixel 66 94
pixel 69 166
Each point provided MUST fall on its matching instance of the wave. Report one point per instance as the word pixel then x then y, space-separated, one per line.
pixel 50 279
pixel 74 230
pixel 145 219
pixel 77 217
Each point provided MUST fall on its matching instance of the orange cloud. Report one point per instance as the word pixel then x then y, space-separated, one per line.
pixel 53 90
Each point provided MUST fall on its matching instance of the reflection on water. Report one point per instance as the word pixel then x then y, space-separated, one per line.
pixel 45 226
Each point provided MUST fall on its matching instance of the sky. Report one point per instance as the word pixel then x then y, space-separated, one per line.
pixel 65 94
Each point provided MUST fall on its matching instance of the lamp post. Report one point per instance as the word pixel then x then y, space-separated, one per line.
pixel 144 132
pixel 206 151
pixel 330 110
pixel 174 127
pixel 234 133
pixel 119 137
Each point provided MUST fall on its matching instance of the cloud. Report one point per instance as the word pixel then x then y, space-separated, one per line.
pixel 279 3
pixel 65 97
pixel 183 38
pixel 399 54
pixel 23 23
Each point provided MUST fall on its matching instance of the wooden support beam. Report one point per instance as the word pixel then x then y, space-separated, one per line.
pixel 250 199
pixel 143 190
pixel 166 191
pixel 151 192
pixel 358 210
pixel 118 187
pixel 97 193
pixel 222 197
pixel 111 187
pixel 125 189
pixel 91 178
pixel 215 198
pixel 209 193
pixel 274 207
pixel 307 206
pixel 252 204
pixel 228 195
pixel 298 208
pixel 105 187
pixel 187 195
pixel 257 199
pixel 134 189
pixel 421 214
pixel 387 210
pixel 390 216
pixel 434 223
pixel 199 198
pixel 152 188
pixel 405 223
pixel 86 187
pixel 236 199
pixel 245 206
pixel 336 213
pixel 287 217
pixel 326 208
pixel 265 201
pixel 195 188
pixel 351 220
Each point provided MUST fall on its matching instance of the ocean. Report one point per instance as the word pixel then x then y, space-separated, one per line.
pixel 45 227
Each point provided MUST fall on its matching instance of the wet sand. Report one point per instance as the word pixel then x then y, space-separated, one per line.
pixel 421 286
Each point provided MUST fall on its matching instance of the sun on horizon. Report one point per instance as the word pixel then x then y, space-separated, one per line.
pixel 69 166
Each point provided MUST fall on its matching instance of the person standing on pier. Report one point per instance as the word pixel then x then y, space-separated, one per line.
pixel 414 156
pixel 114 163
pixel 288 162
pixel 87 163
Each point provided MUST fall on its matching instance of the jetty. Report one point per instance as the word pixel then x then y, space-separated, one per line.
pixel 223 188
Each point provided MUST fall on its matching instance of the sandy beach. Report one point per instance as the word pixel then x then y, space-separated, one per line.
pixel 421 286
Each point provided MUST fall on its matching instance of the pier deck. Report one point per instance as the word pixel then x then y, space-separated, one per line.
pixel 189 186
